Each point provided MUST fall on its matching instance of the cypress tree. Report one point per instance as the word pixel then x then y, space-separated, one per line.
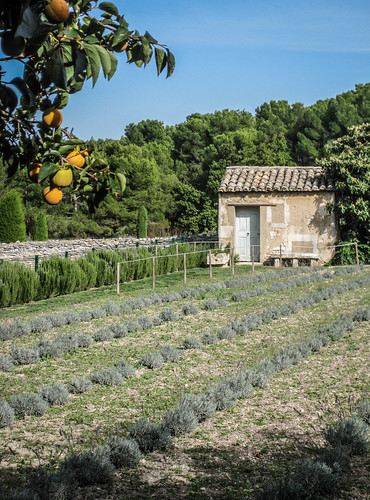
pixel 41 228
pixel 142 223
pixel 12 218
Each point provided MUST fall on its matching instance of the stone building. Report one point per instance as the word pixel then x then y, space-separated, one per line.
pixel 270 212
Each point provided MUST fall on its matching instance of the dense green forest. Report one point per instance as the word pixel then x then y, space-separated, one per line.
pixel 175 171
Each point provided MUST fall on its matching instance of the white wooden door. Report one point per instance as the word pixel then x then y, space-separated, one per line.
pixel 247 233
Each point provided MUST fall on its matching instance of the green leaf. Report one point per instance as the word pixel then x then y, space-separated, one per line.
pixel 113 184
pixel 61 100
pixel 121 178
pixel 160 60
pixel 149 37
pixel 104 59
pixel 99 164
pixel 122 34
pixel 27 95
pixel 47 169
pixel 55 69
pixel 8 98
pixel 94 63
pixel 80 65
pixel 109 7
pixel 146 50
pixel 74 142
pixel 30 24
pixel 113 64
pixel 170 63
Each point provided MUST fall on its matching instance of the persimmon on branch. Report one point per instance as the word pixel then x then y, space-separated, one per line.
pixel 58 46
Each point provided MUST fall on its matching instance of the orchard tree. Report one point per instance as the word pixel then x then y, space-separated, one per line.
pixel 57 46
pixel 347 163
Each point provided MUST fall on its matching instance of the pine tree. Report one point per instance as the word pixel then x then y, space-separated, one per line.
pixel 12 218
pixel 41 228
pixel 142 223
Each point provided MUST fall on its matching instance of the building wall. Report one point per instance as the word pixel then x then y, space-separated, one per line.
pixel 298 221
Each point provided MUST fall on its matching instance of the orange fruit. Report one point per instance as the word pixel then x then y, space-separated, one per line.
pixel 63 177
pixel 57 11
pixel 12 46
pixel 33 172
pixel 52 195
pixel 52 117
pixel 120 47
pixel 76 158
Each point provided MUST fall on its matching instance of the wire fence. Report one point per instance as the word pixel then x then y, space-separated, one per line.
pixel 213 259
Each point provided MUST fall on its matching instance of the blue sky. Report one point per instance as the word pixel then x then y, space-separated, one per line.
pixel 235 55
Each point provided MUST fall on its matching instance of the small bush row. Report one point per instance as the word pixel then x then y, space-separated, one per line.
pixel 97 466
pixel 45 323
pixel 37 403
pixel 318 477
pixel 60 276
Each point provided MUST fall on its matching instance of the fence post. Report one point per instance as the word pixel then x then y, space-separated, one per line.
pixel 184 268
pixel 36 262
pixel 156 250
pixel 210 264
pixel 177 257
pixel 118 273
pixel 252 258
pixel 153 269
pixel 281 258
pixel 232 261
pixel 357 259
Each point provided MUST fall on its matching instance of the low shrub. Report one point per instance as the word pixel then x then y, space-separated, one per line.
pixel 188 309
pixel 41 325
pixel 152 360
pixel 125 369
pixel 201 404
pixel 209 338
pixel 168 315
pixel 28 403
pixel 104 335
pixel 335 458
pixel 108 376
pixel 226 333
pixel 363 410
pixel 351 434
pixel 78 385
pixel 192 343
pixel 119 330
pixel 48 349
pixel 180 420
pixel 6 363
pixel 84 340
pixel 150 436
pixel 124 452
pixel 54 394
pixel 24 355
pixel 223 395
pixel 6 414
pixel 89 467
pixel 316 478
pixel 169 353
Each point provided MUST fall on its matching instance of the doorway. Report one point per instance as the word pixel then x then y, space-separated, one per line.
pixel 247 233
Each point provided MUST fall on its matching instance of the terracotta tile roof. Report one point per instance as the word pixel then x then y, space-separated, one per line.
pixel 264 179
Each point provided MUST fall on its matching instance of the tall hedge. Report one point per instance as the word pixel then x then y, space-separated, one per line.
pixel 12 218
pixel 41 228
pixel 142 222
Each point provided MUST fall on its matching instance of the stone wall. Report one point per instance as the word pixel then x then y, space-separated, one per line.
pixel 25 252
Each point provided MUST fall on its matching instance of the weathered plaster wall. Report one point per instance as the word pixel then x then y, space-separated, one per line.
pixel 297 221
pixel 26 251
